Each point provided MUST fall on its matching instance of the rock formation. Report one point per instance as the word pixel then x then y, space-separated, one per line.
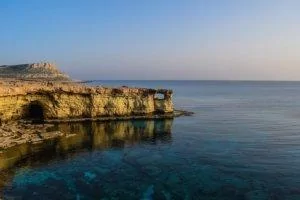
pixel 31 93
pixel 50 100
pixel 43 70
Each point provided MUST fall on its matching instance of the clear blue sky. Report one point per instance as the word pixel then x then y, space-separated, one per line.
pixel 155 39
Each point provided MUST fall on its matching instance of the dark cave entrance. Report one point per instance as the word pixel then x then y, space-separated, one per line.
pixel 35 112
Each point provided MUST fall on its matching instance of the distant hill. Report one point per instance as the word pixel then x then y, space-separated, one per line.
pixel 43 70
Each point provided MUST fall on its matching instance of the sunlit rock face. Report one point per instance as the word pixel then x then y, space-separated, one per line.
pixel 33 91
pixel 43 70
pixel 67 100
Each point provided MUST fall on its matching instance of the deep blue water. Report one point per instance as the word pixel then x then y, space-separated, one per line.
pixel 243 142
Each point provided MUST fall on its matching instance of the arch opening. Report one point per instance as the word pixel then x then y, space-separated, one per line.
pixel 35 112
pixel 159 96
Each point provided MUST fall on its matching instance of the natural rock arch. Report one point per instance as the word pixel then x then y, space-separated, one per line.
pixel 35 112
pixel 159 96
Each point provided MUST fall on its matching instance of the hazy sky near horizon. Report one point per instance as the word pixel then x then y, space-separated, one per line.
pixel 155 39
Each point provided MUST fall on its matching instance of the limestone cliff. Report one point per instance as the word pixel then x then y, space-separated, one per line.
pixel 66 100
pixel 43 70
pixel 31 91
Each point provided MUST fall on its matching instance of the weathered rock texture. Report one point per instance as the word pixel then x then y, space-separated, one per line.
pixel 13 134
pixel 42 70
pixel 66 100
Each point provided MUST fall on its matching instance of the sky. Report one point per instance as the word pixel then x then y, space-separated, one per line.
pixel 155 39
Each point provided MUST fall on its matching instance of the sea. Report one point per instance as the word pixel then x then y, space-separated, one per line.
pixel 243 142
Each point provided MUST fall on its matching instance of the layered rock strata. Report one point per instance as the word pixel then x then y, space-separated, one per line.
pixel 49 100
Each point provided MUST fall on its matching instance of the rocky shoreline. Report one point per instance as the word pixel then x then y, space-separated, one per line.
pixel 26 98
pixel 17 133
pixel 25 132
pixel 69 100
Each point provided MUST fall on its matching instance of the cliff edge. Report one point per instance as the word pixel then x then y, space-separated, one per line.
pixel 43 70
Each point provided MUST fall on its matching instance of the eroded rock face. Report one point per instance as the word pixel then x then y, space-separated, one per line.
pixel 71 100
pixel 43 70
pixel 14 133
pixel 33 91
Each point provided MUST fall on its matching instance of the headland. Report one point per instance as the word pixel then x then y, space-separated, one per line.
pixel 34 96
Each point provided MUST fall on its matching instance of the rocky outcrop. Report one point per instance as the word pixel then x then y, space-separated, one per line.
pixel 31 91
pixel 65 100
pixel 15 133
pixel 43 70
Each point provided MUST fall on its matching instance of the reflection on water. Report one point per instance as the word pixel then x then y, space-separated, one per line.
pixel 113 134
pixel 242 143
pixel 80 139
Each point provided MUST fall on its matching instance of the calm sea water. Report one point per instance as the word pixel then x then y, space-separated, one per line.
pixel 242 143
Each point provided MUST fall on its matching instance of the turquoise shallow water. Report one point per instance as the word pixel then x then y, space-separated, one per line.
pixel 242 143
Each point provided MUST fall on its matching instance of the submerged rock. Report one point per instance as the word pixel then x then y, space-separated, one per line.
pixel 89 176
pixel 14 133
pixel 148 194
pixel 63 138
